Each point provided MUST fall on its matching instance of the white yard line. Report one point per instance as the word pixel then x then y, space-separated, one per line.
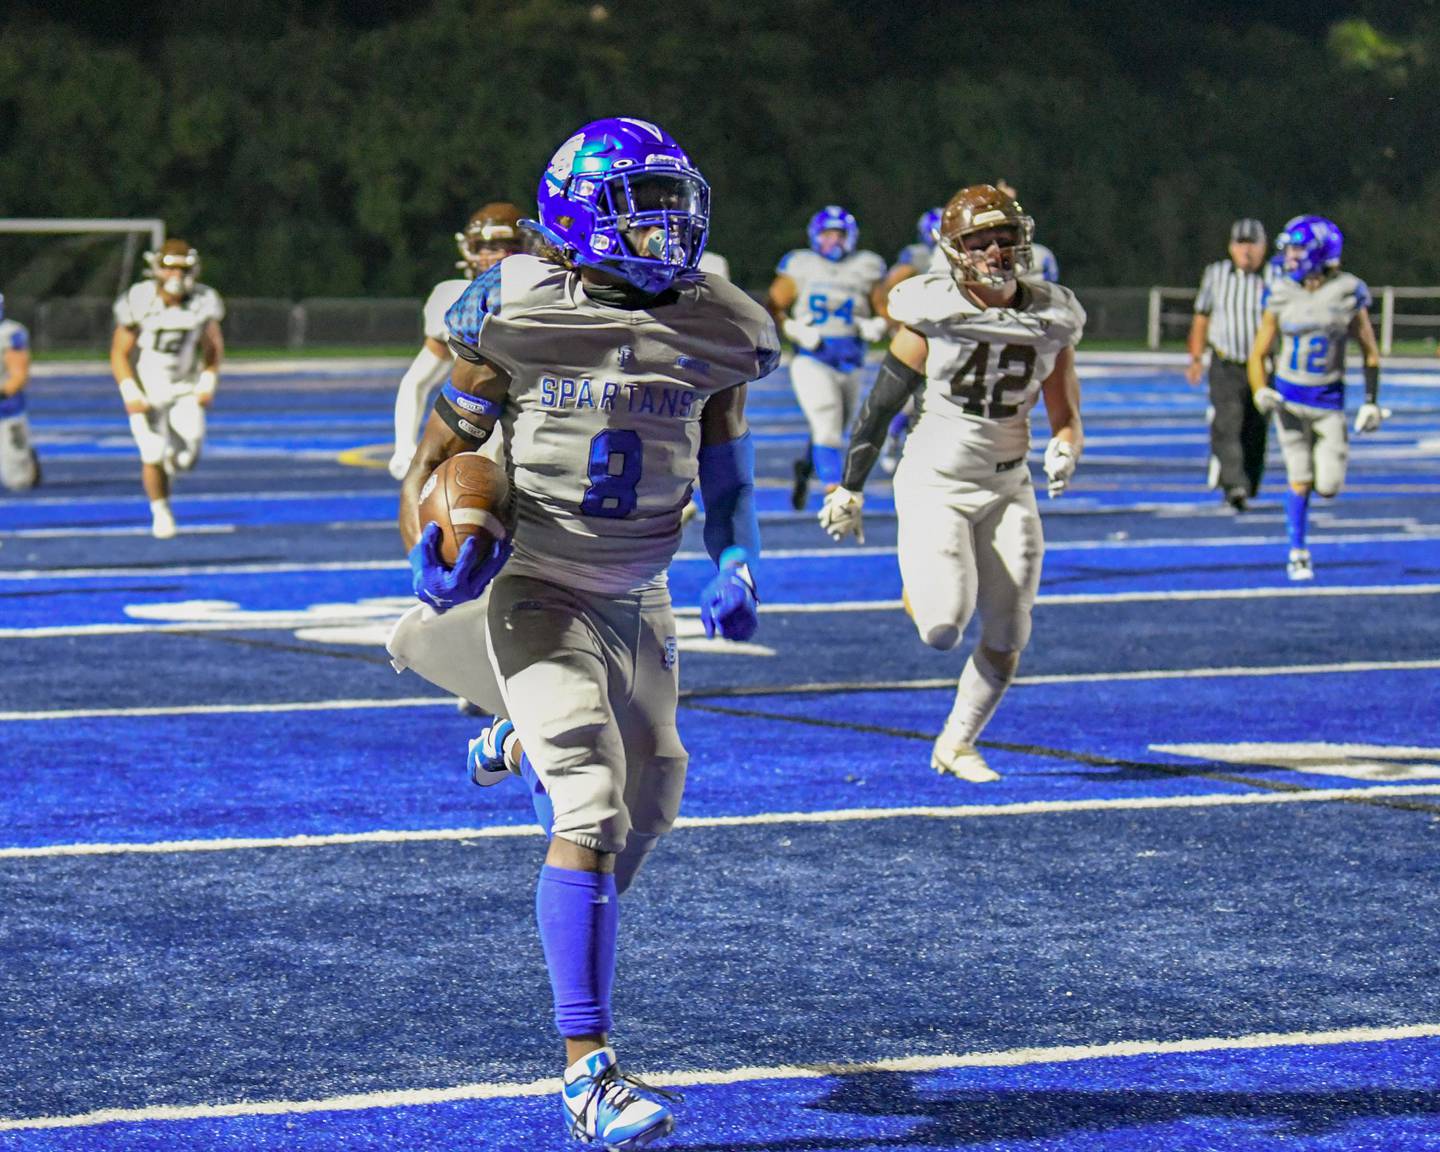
pixel 402 702
pixel 287 621
pixel 759 819
pixel 1418 535
pixel 942 1062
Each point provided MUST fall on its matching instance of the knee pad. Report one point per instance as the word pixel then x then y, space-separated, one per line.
pixel 941 637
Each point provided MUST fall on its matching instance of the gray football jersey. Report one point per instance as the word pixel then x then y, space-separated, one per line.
pixel 602 421
pixel 984 369
pixel 1314 327
pixel 834 295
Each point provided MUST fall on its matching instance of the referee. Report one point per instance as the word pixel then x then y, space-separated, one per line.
pixel 1227 313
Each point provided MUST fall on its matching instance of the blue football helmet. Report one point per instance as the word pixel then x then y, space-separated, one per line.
pixel 928 226
pixel 2 306
pixel 1320 242
pixel 619 174
pixel 833 216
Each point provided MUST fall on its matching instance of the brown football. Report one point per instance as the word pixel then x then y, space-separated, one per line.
pixel 466 496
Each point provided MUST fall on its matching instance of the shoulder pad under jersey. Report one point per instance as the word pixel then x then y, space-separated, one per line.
pixel 869 264
pixel 927 299
pixel 1059 306
pixel 753 321
pixel 131 304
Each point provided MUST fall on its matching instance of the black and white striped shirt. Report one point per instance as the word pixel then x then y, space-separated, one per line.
pixel 1234 301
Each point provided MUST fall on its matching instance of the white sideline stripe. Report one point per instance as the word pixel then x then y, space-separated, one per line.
pixel 700 694
pixel 943 1062
pixel 1420 534
pixel 282 621
pixel 759 819
pixel 86 532
pixel 233 709
pixel 1076 678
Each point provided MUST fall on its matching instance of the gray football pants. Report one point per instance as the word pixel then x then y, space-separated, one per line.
pixel 591 683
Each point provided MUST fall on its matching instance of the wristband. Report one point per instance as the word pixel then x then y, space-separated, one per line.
pixel 1372 383
pixel 205 384
pixel 472 434
pixel 130 392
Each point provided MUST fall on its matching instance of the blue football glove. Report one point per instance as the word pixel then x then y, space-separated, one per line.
pixel 443 588
pixel 728 605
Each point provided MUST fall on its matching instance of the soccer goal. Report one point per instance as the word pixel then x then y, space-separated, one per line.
pixel 60 275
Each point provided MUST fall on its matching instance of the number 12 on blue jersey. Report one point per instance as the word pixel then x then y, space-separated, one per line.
pixel 612 485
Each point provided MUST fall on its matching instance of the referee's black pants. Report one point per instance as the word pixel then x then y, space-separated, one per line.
pixel 1237 430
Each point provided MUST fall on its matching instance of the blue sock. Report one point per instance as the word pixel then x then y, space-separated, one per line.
pixel 544 809
pixel 579 918
pixel 828 464
pixel 1296 509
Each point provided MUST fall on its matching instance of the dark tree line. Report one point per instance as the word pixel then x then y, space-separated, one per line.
pixel 333 148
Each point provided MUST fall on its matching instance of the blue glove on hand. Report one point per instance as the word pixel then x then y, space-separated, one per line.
pixel 728 605
pixel 441 587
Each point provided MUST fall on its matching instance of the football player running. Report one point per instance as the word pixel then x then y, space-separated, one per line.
pixel 1314 308
pixel 165 356
pixel 19 465
pixel 617 374
pixel 978 346
pixel 823 297
pixel 492 234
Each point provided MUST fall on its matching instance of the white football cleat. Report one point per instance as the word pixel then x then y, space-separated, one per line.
pixel 1298 567
pixel 610 1108
pixel 951 758
pixel 162 520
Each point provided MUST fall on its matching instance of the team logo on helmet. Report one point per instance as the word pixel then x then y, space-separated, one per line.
pixel 1309 246
pixel 982 211
pixel 622 196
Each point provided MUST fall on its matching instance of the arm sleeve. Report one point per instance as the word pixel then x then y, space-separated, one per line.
pixel 727 484
pixel 895 384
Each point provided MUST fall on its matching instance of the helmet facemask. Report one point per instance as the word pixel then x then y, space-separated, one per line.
pixel 492 234
pixel 650 223
pixel 968 261
pixel 175 268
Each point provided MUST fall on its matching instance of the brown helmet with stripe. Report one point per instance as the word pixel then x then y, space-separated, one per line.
pixel 492 234
pixel 984 212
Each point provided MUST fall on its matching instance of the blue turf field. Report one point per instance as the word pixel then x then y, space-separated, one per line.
pixel 249 901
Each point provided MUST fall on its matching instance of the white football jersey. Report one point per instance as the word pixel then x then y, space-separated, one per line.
pixel 833 295
pixel 983 371
pixel 442 297
pixel 602 421
pixel 1314 328
pixel 168 341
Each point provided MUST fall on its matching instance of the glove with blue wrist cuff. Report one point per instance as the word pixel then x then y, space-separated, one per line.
pixel 728 605
pixel 443 587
